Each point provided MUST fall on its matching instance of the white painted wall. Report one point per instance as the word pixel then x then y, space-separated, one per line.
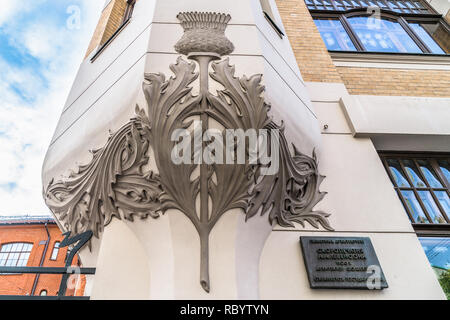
pixel 103 98
pixel 441 6
pixel 159 259
pixel 360 198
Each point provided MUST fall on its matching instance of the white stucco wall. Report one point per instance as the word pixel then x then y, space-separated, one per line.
pixel 159 259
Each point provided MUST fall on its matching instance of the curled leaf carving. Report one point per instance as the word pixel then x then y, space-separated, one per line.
pixel 291 195
pixel 111 185
pixel 114 183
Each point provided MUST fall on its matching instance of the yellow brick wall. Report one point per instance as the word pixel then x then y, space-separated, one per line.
pixel 396 82
pixel 110 20
pixel 115 19
pixel 312 56
pixel 100 29
pixel 316 65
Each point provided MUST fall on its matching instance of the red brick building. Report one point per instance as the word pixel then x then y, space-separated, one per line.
pixel 27 241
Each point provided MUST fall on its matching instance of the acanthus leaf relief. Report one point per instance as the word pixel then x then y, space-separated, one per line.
pixel 114 184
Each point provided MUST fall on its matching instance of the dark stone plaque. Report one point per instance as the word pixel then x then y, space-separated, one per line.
pixel 342 263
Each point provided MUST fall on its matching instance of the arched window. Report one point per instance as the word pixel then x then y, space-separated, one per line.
pixel 393 26
pixel 15 254
pixel 43 293
pixel 55 251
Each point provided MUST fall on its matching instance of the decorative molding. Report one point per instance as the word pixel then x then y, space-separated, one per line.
pixel 204 32
pixel 113 184
pixel 391 61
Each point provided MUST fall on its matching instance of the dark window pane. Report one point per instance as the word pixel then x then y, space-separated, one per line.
pixel 445 168
pixel 397 173
pixel 444 201
pixel 413 174
pixel 414 206
pixel 334 35
pixel 432 208
pixel 425 37
pixel 380 35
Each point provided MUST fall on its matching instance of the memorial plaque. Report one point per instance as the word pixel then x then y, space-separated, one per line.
pixel 342 263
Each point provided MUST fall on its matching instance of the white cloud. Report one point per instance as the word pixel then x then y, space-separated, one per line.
pixel 32 97
pixel 11 9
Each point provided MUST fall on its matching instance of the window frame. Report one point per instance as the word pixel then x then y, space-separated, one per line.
pixel 57 250
pixel 125 20
pixel 401 18
pixel 422 229
pixel 19 252
pixel 268 14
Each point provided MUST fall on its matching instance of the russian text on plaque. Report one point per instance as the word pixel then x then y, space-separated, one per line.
pixel 342 263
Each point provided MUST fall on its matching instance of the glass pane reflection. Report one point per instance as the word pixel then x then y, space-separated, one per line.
pixel 413 174
pixel 437 251
pixel 334 35
pixel 425 37
pixel 445 168
pixel 397 173
pixel 432 208
pixel 414 207
pixel 380 35
pixel 429 174
pixel 444 201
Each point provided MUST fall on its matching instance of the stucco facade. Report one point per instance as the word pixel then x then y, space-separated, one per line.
pixel 345 108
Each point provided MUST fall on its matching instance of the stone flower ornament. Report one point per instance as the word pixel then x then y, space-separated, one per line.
pixel 113 184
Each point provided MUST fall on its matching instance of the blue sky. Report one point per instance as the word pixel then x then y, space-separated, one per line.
pixel 42 43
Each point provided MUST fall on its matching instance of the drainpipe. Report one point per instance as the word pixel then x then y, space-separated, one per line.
pixel 36 279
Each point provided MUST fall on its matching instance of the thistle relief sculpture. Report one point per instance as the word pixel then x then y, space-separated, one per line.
pixel 114 183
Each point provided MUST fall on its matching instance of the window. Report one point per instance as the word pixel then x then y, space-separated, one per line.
pixel 387 36
pixel 15 254
pixel 268 14
pixel 422 183
pixel 391 26
pixel 43 293
pixel 334 35
pixel 121 14
pixel 437 250
pixel 55 251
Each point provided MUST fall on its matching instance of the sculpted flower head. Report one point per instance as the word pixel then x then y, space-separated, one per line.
pixel 204 32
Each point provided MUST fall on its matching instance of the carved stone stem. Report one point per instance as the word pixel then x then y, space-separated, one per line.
pixel 204 60
pixel 204 260
pixel 113 184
